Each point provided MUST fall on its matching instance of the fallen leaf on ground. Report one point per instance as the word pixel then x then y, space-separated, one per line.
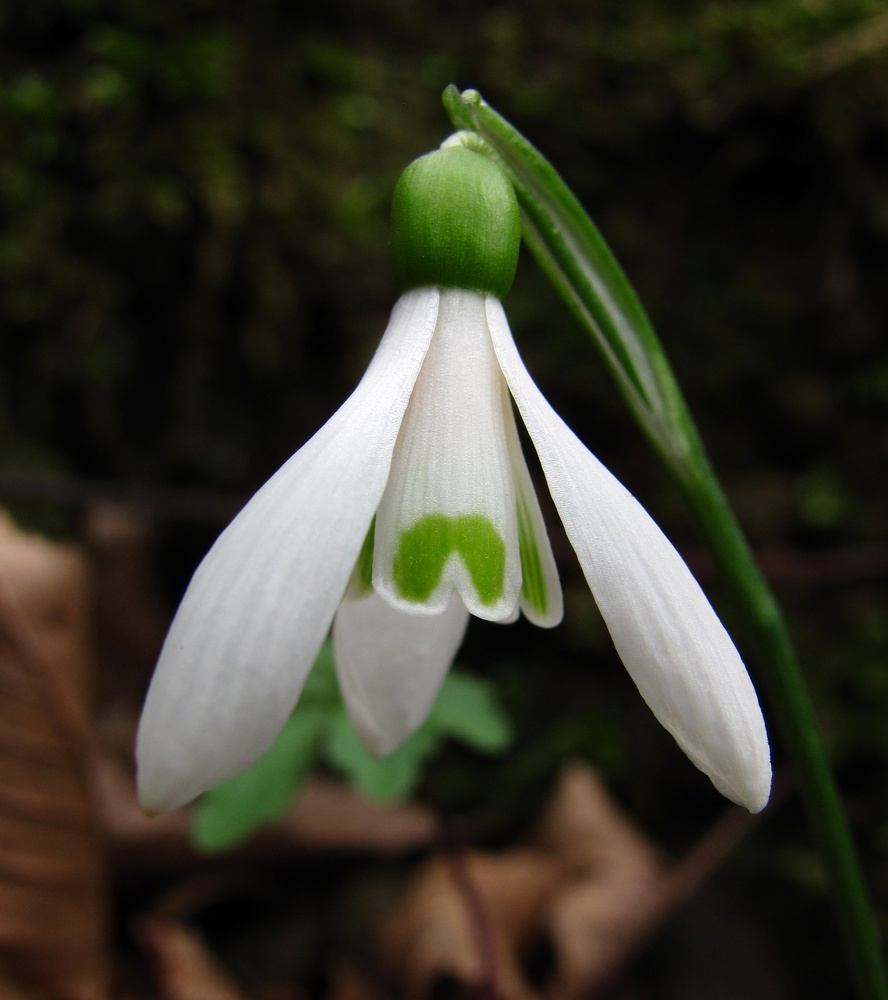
pixel 348 984
pixel 328 816
pixel 469 920
pixel 577 901
pixel 184 967
pixel 52 886
pixel 616 892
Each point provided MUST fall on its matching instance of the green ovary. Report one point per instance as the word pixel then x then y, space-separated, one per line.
pixel 425 548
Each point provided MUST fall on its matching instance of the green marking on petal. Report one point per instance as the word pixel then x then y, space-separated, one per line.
pixel 425 548
pixel 533 580
pixel 364 568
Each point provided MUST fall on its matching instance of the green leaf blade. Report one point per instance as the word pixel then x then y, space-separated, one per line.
pixel 467 710
pixel 227 814
pixel 381 779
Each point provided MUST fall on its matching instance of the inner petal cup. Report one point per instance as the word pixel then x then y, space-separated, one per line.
pixel 447 520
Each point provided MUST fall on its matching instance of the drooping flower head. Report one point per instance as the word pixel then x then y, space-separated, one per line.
pixel 413 507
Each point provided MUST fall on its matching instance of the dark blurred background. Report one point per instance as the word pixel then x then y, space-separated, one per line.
pixel 194 205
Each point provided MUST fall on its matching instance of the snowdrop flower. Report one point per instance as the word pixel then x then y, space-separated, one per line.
pixel 413 508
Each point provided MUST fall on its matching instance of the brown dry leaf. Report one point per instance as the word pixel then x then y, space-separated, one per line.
pixel 10 992
pixel 184 967
pixel 346 983
pixel 468 920
pixel 327 816
pixel 52 919
pixel 617 892
pixel 590 887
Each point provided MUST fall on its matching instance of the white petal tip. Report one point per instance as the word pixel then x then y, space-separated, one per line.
pixel 160 789
pixel 162 783
pixel 182 750
pixel 739 767
pixel 157 797
pixel 391 665
pixel 380 744
pixel 750 790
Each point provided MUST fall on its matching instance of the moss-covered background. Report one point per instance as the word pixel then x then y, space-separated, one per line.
pixel 193 274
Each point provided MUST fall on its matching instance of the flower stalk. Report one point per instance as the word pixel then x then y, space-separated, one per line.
pixel 573 254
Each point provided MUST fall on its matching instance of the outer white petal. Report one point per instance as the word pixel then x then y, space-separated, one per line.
pixel 449 505
pixel 667 634
pixel 391 665
pixel 261 602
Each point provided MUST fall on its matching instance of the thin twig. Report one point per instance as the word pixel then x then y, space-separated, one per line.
pixel 455 854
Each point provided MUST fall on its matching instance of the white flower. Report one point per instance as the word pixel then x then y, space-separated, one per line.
pixel 411 508
pixel 427 444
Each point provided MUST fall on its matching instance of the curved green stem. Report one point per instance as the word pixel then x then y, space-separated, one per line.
pixel 797 723
pixel 576 258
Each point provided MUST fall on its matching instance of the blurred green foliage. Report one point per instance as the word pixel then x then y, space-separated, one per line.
pixel 193 274
pixel 319 733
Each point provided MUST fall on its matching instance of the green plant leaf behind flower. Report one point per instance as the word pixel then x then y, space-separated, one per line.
pixel 321 686
pixel 227 814
pixel 319 732
pixel 382 779
pixel 467 710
